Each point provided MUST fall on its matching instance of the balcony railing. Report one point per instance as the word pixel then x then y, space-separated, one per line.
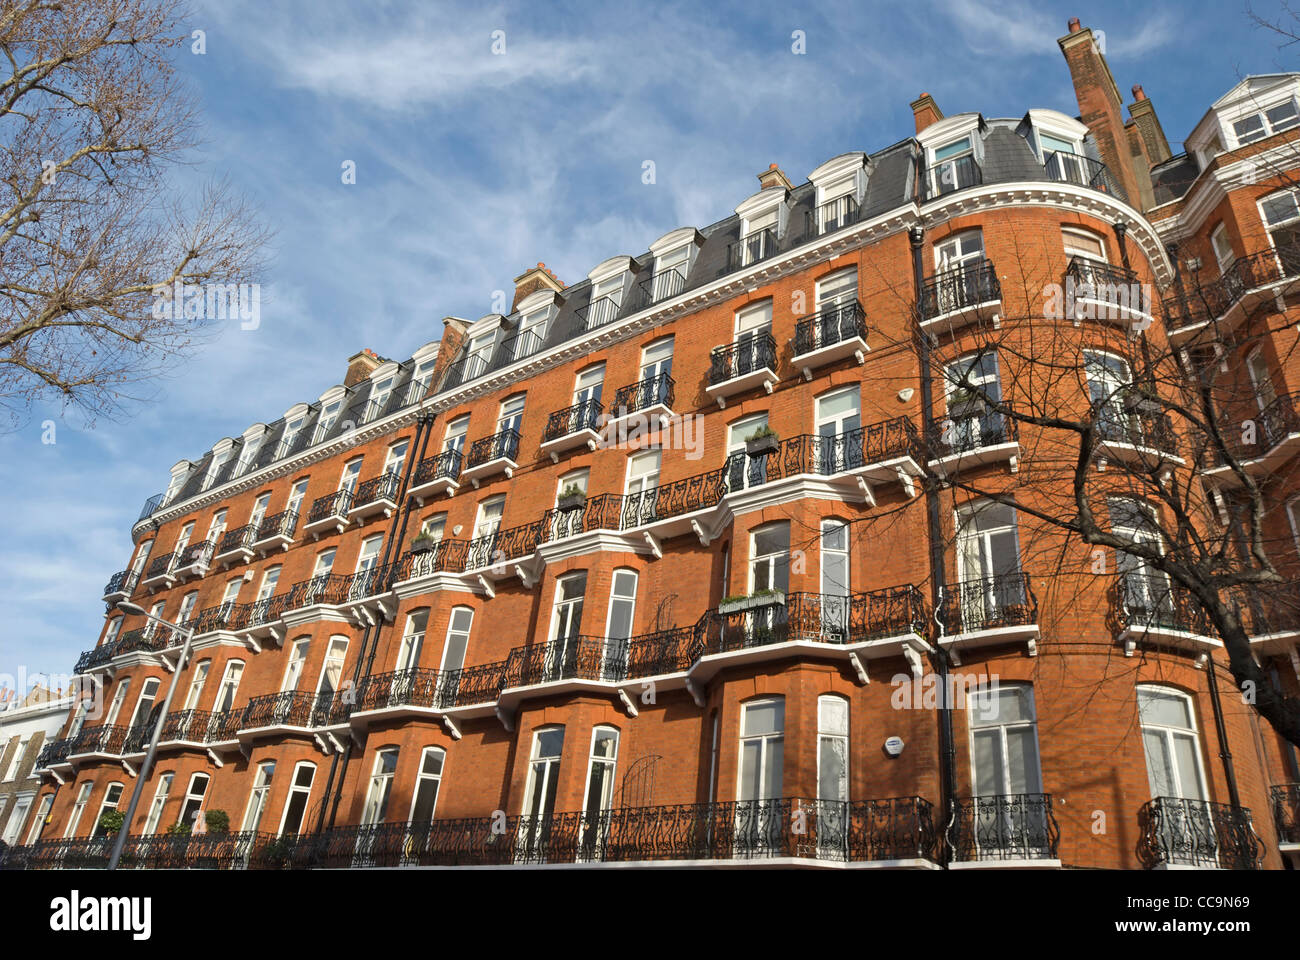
pixel 55 751
pixel 960 288
pixel 189 726
pixel 132 641
pixel 835 324
pixel 1152 602
pixel 584 415
pixel 376 489
pixel 1270 608
pixel 1178 831
pixel 1212 299
pixel 523 344
pixel 446 556
pixel 160 566
pixel 223 616
pixel 1285 799
pixel 161 851
pixel 331 506
pixel 151 506
pixel 571 658
pixel 988 603
pixel 951 175
pixel 1008 827
pixel 442 466
pixel 503 445
pixel 967 430
pixel 196 555
pixel 241 538
pixel 862 831
pixel 510 543
pixel 1084 171
pixel 291 708
pixel 733 360
pixel 296 443
pixel 662 285
pixel 280 525
pixel 836 213
pixel 599 312
pixel 642 395
pixel 751 248
pixel 100 739
pixel 120 583
pixel 820 618
pixel 1273 424
pixel 1114 291
pixel 1152 431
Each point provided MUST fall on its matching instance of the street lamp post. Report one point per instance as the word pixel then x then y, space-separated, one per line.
pixel 143 773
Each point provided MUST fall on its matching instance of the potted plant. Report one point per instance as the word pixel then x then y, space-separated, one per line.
pixel 762 441
pixel 424 542
pixel 759 598
pixel 571 497
pixel 178 830
pixel 218 821
pixel 274 853
pixel 110 821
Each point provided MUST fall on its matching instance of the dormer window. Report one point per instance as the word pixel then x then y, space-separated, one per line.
pixel 479 353
pixel 174 485
pixel 218 461
pixel 248 452
pixel 953 166
pixel 329 413
pixel 606 299
pixel 532 331
pixel 670 273
pixel 762 223
pixel 841 187
pixel 1257 126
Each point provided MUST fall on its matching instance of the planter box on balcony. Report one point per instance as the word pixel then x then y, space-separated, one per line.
pixel 752 603
pixel 423 546
pixel 762 446
pixel 574 502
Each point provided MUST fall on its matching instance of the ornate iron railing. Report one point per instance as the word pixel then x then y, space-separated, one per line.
pixel 569 658
pixel 1153 431
pixel 132 641
pixel 1009 827
pixel 241 538
pixel 281 524
pixel 1285 798
pixel 121 582
pixel 502 445
pixel 835 324
pixel 960 288
pixel 510 543
pixel 1270 608
pixel 196 553
pixel 584 415
pixel 1197 833
pixel 988 603
pixel 332 505
pixel 1272 424
pixel 55 751
pixel 644 394
pixel 751 248
pixel 816 617
pixel 949 176
pixel 445 465
pixel 662 285
pixel 964 431
pixel 446 556
pixel 1084 171
pixel 1145 601
pixel 329 589
pixel 1116 288
pixel 99 739
pixel 292 708
pixel 742 357
pixel 187 726
pixel 382 487
pixel 1214 298
pixel 160 566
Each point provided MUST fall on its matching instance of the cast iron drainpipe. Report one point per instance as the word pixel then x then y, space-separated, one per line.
pixel 423 429
pixel 947 749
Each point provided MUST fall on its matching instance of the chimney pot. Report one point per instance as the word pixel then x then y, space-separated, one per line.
pixel 1074 25
pixel 1138 92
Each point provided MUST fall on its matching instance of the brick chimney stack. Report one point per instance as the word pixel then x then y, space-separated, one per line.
pixel 1142 116
pixel 926 111
pixel 774 177
pixel 534 279
pixel 361 365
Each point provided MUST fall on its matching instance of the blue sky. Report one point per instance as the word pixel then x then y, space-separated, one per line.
pixel 473 166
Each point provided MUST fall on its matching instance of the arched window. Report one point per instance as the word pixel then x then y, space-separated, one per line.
pixel 295 807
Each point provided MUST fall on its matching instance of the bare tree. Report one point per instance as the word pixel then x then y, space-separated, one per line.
pixel 92 121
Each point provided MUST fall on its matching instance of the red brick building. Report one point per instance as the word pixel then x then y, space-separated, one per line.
pixel 669 564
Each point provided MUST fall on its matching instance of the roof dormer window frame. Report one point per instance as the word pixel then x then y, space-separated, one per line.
pixel 840 186
pixel 1225 117
pixel 954 138
pixel 768 208
pixel 675 250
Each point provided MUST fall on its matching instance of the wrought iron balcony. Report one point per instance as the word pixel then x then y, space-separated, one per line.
pixel 132 641
pixel 435 475
pixel 1285 798
pixel 401 688
pixel 651 398
pixel 512 543
pixel 960 295
pixel 741 366
pixel 294 444
pixel 835 333
pixel 266 611
pixel 951 176
pixel 1276 439
pixel 1015 827
pixel 54 751
pixel 575 426
pixel 446 556
pixel 877 452
pixel 599 312
pixel 236 546
pixel 571 658
pixel 328 589
pixel 971 436
pixel 521 345
pixel 671 500
pixel 662 286
pixel 160 851
pixel 1248 282
pixel 151 506
pixel 892 831
pixel 1005 605
pixel 1100 291
pixel 472 686
pixel 1084 172
pixel 376 495
pixel 194 559
pixel 329 512
pixel 664 651
pixel 102 739
pixel 1133 436
pixel 751 248
pixel 492 455
pixel 837 213
pixel 119 586
pixel 189 726
pixel 1177 831
pixel 1149 606
pixel 1271 613
pixel 291 708
pixel 159 571
pixel 276 531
